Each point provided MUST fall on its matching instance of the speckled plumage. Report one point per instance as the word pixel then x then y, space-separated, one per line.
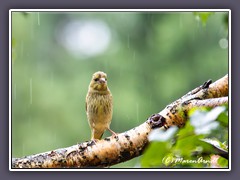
pixel 99 105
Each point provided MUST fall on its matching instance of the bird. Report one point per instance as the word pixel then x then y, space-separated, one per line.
pixel 99 106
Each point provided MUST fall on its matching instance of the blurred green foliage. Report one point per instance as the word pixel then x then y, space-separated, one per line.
pixel 153 58
pixel 189 147
pixel 203 16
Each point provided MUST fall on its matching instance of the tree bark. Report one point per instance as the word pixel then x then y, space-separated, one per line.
pixel 127 145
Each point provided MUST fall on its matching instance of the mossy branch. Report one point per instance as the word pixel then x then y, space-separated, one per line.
pixel 127 145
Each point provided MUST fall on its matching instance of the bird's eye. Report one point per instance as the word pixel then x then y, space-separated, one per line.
pixel 96 79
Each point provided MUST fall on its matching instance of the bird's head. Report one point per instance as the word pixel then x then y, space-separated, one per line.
pixel 99 81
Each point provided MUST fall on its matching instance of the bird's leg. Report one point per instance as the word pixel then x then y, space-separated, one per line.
pixel 113 133
pixel 96 135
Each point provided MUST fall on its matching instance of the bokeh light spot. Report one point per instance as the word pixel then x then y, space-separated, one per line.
pixel 85 38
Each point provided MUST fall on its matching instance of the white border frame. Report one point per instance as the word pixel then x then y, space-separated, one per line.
pixel 116 10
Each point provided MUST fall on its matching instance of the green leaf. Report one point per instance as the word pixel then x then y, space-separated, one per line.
pixel 223 162
pixel 154 154
pixel 187 145
pixel 203 16
pixel 216 143
pixel 188 130
pixel 223 119
pixel 225 21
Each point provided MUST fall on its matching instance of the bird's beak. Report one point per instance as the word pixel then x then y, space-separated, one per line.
pixel 102 80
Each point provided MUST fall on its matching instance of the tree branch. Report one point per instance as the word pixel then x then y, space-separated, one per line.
pixel 129 144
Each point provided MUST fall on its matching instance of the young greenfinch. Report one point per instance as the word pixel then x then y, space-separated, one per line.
pixel 99 105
